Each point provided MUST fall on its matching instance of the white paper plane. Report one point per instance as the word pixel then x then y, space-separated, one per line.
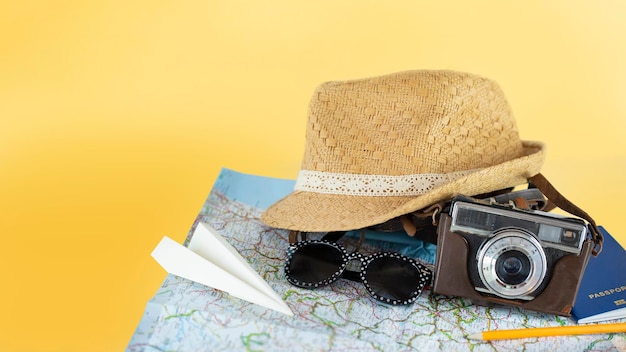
pixel 211 261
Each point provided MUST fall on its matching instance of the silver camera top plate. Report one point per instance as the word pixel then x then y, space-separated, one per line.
pixel 556 231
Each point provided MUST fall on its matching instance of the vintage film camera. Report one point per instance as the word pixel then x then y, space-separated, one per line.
pixel 496 254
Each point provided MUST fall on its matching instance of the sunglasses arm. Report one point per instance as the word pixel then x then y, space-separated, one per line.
pixel 333 236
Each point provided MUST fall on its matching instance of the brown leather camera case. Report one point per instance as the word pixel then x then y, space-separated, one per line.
pixel 451 276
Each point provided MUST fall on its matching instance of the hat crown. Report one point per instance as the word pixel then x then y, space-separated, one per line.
pixel 413 122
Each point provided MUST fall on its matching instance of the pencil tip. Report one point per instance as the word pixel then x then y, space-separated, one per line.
pixel 478 336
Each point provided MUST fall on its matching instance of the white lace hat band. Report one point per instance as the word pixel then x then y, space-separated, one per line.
pixel 372 185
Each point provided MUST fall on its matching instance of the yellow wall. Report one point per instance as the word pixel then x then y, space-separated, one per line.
pixel 116 116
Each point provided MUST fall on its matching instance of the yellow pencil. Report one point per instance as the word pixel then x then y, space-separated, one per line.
pixel 551 331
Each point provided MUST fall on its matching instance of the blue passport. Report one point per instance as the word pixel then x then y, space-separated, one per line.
pixel 602 292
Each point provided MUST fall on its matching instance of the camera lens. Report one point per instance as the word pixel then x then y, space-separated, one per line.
pixel 512 264
pixel 512 267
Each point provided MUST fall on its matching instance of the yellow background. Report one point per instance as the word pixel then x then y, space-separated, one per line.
pixel 116 116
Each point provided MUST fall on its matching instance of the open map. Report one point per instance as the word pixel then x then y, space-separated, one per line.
pixel 185 316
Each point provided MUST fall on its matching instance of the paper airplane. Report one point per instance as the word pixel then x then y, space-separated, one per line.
pixel 211 261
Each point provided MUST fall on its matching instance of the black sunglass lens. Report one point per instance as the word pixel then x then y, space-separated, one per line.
pixel 393 279
pixel 314 264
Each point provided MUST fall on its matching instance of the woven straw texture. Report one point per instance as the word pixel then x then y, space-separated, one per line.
pixel 407 123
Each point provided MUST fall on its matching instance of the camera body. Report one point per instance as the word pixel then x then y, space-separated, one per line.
pixel 496 254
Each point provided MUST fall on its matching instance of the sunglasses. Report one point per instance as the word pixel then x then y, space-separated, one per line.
pixel 388 277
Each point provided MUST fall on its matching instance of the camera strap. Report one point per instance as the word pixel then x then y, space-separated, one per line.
pixel 556 198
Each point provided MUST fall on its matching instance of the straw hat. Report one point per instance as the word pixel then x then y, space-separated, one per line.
pixel 382 147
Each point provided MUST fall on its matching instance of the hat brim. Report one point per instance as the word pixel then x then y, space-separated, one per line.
pixel 317 212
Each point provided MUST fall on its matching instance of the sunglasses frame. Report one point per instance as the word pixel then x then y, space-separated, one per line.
pixel 423 271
